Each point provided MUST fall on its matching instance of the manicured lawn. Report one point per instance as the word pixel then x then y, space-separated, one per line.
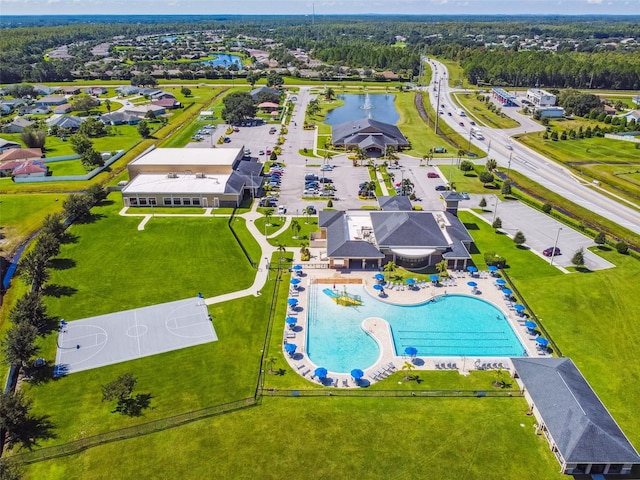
pixel 66 167
pixel 318 438
pixel 590 316
pixel 477 110
pixel 307 225
pixel 165 261
pixel 22 215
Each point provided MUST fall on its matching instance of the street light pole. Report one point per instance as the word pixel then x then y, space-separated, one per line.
pixel 509 164
pixel 402 181
pixel 553 253
pixel 495 210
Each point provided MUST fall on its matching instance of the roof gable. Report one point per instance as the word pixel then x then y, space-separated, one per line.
pixel 407 229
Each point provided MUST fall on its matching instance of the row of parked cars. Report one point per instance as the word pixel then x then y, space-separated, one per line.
pixel 273 180
pixel 319 186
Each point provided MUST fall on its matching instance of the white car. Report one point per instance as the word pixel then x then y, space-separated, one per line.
pixel 325 167
pixel 282 210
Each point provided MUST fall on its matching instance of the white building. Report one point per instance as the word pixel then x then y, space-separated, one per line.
pixel 541 98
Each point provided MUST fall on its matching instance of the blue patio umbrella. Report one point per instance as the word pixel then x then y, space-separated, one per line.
pixel 378 276
pixel 501 281
pixel 410 281
pixel 321 372
pixel 295 281
pixel 434 278
pixel 290 348
pixel 292 301
pixel 291 320
pixel 530 325
pixel 542 341
pixel 357 374
pixel 377 286
pixel 492 268
pixel 519 307
pixel 472 269
pixel 411 351
pixel 507 292
pixel 297 267
pixel 472 284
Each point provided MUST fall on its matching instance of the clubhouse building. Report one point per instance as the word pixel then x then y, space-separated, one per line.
pixel 371 136
pixel 185 177
pixel 367 239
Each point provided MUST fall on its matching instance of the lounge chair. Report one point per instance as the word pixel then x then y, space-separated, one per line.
pixel 373 377
pixel 391 366
pixel 449 365
pixel 438 365
pixel 335 382
pixel 345 382
pixel 306 372
pixel 390 286
pixel 301 366
pixel 291 334
pixel 454 366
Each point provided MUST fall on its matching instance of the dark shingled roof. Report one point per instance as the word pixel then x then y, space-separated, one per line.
pixel 452 195
pixel 367 132
pixel 407 229
pixel 338 243
pixel 583 429
pixel 395 203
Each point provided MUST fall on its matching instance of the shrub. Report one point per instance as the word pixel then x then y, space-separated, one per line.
pixel 330 203
pixel 622 247
pixel 546 208
pixel 492 258
pixel 600 239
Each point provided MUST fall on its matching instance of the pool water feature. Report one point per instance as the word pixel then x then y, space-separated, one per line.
pixel 224 59
pixel 452 325
pixel 378 107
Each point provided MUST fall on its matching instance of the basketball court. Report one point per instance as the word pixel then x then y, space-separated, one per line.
pixel 118 337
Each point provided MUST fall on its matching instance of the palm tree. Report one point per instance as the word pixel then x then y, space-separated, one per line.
pixel 268 213
pixel 271 362
pixel 329 94
pixel 408 367
pixel 282 249
pixel 441 268
pixel 295 227
pixel 491 164
pixel 389 267
pixel 407 186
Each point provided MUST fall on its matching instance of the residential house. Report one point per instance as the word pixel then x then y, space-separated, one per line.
pixel 68 122
pixel 120 118
pixel 17 125
pixel 96 91
pixel 61 109
pixel 167 103
pixel 128 90
pixel 371 136
pixel 141 111
pixel 10 105
pixel 632 115
pixel 581 432
pixel 258 90
pixel 51 100
pixel 30 168
pixel 44 89
pixel 33 110
pixel 14 157
pixel 174 177
pixel 7 145
pixel 70 90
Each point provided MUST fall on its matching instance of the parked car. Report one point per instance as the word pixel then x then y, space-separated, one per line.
pixel 325 180
pixel 433 175
pixel 261 152
pixel 282 210
pixel 236 129
pixel 265 202
pixel 325 167
pixel 440 188
pixel 461 124
pixel 394 167
pixel 311 177
pixel 268 152
pixel 449 113
pixel 310 192
pixel 551 252
pixel 227 140
pixel 311 210
pixel 471 122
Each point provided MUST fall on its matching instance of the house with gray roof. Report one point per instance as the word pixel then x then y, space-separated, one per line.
pixel 370 136
pixel 362 239
pixel 581 432
pixel 258 90
pixel 69 122
pixel 17 125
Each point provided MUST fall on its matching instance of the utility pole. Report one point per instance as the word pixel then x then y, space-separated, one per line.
pixel 437 109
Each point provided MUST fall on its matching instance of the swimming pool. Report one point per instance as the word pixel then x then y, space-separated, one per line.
pixel 453 325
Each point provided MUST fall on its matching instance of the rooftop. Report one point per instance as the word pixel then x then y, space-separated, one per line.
pixel 187 184
pixel 193 156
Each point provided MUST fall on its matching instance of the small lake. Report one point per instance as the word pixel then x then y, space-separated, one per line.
pixel 224 59
pixel 378 107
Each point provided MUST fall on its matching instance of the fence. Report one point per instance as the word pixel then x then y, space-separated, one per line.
pixel 362 392
pixel 235 235
pixel 533 316
pixel 87 176
pixel 130 432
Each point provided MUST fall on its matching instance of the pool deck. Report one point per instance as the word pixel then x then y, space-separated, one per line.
pixel 380 330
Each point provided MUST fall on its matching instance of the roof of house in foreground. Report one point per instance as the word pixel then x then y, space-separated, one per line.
pixel 581 426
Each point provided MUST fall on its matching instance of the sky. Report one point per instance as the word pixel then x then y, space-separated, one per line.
pixel 322 7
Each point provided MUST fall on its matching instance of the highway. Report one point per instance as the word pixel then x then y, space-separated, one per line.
pixel 515 156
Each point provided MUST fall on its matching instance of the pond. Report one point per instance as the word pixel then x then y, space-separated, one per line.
pixel 378 107
pixel 224 59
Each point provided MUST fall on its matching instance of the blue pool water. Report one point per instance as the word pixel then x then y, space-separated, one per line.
pixel 453 325
pixel 381 109
pixel 224 60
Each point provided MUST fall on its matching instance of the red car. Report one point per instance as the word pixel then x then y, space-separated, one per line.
pixel 433 175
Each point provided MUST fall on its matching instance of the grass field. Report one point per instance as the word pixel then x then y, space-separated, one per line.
pixel 22 216
pixel 477 110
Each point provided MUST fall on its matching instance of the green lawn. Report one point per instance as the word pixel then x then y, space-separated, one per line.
pixel 477 110
pixel 22 215
pixel 307 225
pixel 66 167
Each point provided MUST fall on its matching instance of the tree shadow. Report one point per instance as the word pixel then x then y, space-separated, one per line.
pixel 61 263
pixel 583 269
pixel 91 218
pixel 68 237
pixel 604 248
pixel 133 406
pixel 39 375
pixel 31 431
pixel 53 290
pixel 280 372
pixel 471 226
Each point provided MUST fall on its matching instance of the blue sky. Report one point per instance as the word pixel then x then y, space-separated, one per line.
pixel 322 7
